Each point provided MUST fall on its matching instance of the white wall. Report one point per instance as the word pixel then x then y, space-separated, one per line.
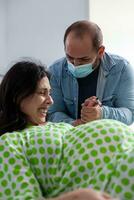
pixel 36 28
pixel 116 19
pixel 3 34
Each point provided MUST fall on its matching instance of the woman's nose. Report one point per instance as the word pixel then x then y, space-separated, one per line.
pixel 49 100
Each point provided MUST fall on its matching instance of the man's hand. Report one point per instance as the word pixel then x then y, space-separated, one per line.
pixel 92 101
pixel 90 113
pixel 91 110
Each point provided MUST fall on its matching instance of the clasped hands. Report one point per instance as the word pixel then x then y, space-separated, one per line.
pixel 91 110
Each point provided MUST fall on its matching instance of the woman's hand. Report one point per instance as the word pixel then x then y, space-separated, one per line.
pixel 84 194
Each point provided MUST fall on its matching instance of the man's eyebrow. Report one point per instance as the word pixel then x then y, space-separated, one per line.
pixel 85 57
pixel 69 56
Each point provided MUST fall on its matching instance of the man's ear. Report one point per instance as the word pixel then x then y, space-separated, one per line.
pixel 101 51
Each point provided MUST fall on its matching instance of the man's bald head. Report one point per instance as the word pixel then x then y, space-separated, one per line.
pixel 82 28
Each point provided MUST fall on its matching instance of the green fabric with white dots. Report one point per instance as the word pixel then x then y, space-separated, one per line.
pixel 45 161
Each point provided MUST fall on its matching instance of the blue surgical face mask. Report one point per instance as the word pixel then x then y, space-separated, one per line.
pixel 80 71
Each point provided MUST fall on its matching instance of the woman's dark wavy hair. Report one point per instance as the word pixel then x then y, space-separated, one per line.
pixel 19 82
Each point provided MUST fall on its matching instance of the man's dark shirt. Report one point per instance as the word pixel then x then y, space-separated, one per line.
pixel 87 88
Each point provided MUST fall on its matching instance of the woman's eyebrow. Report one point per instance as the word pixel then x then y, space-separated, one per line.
pixel 44 89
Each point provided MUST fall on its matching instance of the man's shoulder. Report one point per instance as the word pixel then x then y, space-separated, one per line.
pixel 58 68
pixel 58 63
pixel 114 62
pixel 115 58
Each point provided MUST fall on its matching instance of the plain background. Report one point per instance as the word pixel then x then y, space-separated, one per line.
pixel 35 28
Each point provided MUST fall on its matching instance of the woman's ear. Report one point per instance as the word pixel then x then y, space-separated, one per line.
pixel 101 51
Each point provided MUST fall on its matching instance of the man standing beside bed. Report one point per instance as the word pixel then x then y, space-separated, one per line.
pixel 40 159
pixel 88 71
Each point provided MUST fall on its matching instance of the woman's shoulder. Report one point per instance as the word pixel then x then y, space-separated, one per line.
pixel 31 131
pixel 60 127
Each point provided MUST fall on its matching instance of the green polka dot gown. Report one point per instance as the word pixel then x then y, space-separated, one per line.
pixel 45 161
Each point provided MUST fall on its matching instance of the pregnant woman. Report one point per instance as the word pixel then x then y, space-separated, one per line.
pixel 39 159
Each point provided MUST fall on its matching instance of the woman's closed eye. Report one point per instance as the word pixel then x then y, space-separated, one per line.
pixel 44 92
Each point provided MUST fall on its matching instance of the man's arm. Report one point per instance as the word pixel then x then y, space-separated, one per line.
pixel 58 111
pixel 123 109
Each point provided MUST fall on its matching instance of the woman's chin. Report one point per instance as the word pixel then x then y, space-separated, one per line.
pixel 38 120
pixel 42 121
